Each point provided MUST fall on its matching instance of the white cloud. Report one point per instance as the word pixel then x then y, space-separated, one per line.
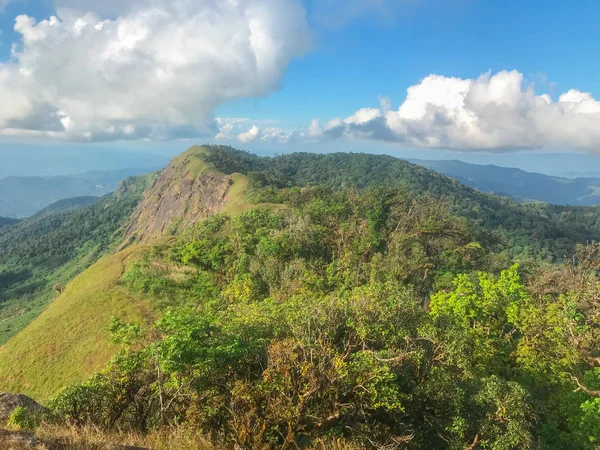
pixel 498 112
pixel 157 70
pixel 278 135
pixel 249 135
pixel 268 131
pixel 104 7
pixel 314 129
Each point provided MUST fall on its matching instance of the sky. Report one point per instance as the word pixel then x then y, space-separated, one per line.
pixel 422 78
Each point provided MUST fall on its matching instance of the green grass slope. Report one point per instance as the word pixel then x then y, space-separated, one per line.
pixel 68 342
pixel 37 253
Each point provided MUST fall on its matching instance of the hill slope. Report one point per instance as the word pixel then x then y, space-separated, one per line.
pixel 285 325
pixel 7 221
pixel 519 184
pixel 186 192
pixel 68 341
pixel 199 183
pixel 540 231
pixel 66 204
pixel 37 253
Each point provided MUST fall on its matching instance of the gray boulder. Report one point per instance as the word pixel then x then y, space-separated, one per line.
pixel 10 402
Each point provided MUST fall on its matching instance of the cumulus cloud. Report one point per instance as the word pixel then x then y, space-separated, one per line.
pixel 267 131
pixel 249 135
pixel 157 69
pixel 492 112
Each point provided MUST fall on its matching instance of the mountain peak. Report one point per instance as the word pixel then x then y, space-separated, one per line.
pixel 186 192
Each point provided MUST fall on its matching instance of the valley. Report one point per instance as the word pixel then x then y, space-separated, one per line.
pixel 22 197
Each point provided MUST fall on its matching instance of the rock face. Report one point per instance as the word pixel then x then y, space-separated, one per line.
pixel 10 402
pixel 185 193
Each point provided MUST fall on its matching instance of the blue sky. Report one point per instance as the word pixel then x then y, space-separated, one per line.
pixel 549 42
pixel 485 77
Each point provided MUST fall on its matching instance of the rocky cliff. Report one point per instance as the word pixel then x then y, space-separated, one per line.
pixel 186 192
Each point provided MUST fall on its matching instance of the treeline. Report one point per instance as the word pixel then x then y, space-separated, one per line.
pixel 7 221
pixel 377 319
pixel 540 232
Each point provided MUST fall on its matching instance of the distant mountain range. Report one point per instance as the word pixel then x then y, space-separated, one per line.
pixel 518 184
pixel 6 221
pixel 27 161
pixel 66 204
pixel 22 197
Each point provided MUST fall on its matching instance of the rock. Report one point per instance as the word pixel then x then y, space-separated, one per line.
pixel 17 440
pixel 10 402
pixel 185 193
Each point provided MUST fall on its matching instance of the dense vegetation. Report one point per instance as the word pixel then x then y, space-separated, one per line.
pixel 522 231
pixel 368 304
pixel 7 221
pixel 375 318
pixel 67 203
pixel 49 250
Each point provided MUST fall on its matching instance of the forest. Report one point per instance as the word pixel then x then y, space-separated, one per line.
pixel 363 302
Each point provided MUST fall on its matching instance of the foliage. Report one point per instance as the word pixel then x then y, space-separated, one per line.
pixel 524 231
pixel 23 419
pixel 380 305
pixel 376 317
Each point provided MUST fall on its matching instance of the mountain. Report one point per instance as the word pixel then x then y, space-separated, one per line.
pixel 518 184
pixel 66 204
pixel 186 192
pixel 6 221
pixel 339 300
pixel 52 248
pixel 47 161
pixel 25 196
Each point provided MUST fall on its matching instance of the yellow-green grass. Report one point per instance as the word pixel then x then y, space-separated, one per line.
pixel 237 201
pixel 191 162
pixel 69 342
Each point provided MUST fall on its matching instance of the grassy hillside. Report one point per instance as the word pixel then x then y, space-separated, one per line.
pixel 370 317
pixel 308 296
pixel 69 341
pixel 38 253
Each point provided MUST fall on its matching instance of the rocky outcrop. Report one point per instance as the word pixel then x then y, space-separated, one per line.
pixel 186 192
pixel 9 402
pixel 17 440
